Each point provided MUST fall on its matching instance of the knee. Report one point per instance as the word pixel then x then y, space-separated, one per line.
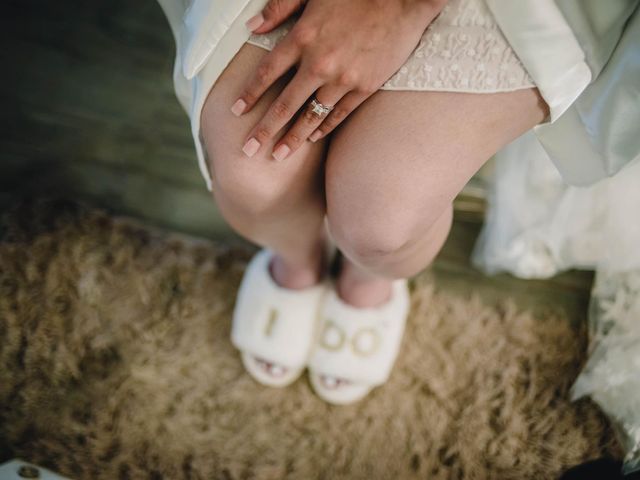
pixel 373 235
pixel 246 190
pixel 241 186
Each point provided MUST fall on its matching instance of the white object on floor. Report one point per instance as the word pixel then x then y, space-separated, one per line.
pixel 538 226
pixel 273 326
pixel 611 376
pixel 17 469
pixel 356 348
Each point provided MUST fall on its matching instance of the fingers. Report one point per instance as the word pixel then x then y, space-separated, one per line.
pixel 273 14
pixel 281 111
pixel 272 66
pixel 342 110
pixel 307 122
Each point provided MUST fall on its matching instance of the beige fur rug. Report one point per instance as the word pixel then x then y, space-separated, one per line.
pixel 115 363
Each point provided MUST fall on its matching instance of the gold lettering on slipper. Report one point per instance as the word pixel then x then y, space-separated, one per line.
pixel 271 322
pixel 365 342
pixel 332 337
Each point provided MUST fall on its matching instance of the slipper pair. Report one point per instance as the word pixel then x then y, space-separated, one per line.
pixel 281 331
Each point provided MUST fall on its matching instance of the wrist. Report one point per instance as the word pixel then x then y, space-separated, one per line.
pixel 425 10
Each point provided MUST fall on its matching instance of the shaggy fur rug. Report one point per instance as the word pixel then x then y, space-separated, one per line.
pixel 115 363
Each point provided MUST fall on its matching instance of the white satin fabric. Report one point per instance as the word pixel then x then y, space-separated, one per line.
pixel 546 45
pixel 598 135
pixel 588 73
pixel 210 32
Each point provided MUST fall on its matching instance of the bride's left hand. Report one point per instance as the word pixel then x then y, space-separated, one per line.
pixel 344 52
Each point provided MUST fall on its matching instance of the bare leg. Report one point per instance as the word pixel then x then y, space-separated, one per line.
pixel 279 205
pixel 394 168
pixel 361 287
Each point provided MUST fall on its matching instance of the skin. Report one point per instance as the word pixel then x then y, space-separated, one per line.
pixel 384 179
pixel 341 74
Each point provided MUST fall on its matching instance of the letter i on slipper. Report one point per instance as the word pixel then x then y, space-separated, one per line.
pixel 274 327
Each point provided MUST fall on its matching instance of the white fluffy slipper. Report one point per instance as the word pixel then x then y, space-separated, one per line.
pixel 274 327
pixel 356 348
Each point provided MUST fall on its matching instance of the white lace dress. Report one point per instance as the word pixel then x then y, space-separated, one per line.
pixel 463 50
pixel 538 226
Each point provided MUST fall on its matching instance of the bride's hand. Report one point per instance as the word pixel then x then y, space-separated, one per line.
pixel 344 52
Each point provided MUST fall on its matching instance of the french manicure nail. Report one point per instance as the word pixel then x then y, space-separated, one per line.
pixel 251 147
pixel 238 107
pixel 255 21
pixel 315 135
pixel 281 152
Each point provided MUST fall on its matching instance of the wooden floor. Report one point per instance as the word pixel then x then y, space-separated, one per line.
pixel 89 112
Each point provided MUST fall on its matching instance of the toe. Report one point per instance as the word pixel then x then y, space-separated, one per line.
pixel 333 383
pixel 271 369
pixel 277 370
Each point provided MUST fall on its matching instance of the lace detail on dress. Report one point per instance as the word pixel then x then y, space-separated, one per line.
pixel 537 226
pixel 612 374
pixel 463 50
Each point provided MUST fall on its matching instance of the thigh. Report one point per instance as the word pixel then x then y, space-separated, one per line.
pixel 397 162
pixel 260 180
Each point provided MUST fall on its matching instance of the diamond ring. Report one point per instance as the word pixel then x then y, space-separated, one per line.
pixel 319 109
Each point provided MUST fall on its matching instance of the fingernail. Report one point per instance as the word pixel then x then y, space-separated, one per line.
pixel 255 21
pixel 251 147
pixel 281 152
pixel 315 135
pixel 238 107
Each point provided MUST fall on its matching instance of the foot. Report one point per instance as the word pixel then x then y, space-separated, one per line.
pixel 292 277
pixel 356 347
pixel 359 289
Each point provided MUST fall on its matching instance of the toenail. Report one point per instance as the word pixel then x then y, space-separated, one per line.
pixel 330 382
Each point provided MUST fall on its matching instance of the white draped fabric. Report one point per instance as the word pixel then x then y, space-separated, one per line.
pixel 537 225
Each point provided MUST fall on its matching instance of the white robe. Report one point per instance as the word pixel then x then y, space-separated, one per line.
pixel 582 55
